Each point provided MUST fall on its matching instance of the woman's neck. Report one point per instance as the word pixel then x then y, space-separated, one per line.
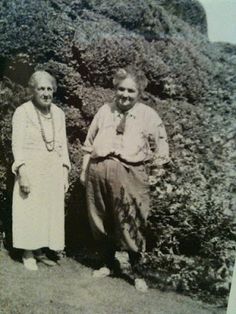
pixel 125 109
pixel 44 110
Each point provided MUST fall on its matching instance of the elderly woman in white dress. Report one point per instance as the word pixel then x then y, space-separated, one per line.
pixel 41 165
pixel 124 137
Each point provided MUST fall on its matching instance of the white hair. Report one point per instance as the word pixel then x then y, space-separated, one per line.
pixel 38 74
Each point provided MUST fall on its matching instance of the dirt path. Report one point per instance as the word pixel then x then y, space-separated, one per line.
pixel 69 288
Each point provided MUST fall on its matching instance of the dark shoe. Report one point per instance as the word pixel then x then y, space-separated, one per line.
pixel 46 261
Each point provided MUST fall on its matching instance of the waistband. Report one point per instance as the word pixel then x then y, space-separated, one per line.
pixel 123 161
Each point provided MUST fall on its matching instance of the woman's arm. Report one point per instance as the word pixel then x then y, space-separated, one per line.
pixel 23 179
pixel 159 142
pixel 88 146
pixel 65 154
pixel 18 134
pixel 162 152
pixel 84 170
pixel 92 132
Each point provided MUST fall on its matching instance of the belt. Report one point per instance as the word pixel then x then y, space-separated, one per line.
pixel 123 161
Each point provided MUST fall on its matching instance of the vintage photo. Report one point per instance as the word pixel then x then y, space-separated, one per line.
pixel 117 157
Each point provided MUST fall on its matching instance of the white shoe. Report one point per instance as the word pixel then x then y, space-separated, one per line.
pixel 140 285
pixel 123 259
pixel 101 272
pixel 30 263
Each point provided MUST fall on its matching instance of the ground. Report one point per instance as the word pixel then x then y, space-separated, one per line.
pixel 69 288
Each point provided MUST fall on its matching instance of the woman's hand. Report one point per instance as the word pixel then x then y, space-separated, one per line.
pixel 23 180
pixel 66 181
pixel 83 177
pixel 158 172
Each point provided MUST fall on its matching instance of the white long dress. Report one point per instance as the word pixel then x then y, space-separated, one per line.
pixel 231 309
pixel 38 218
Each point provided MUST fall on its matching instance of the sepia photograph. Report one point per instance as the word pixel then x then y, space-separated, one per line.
pixel 117 156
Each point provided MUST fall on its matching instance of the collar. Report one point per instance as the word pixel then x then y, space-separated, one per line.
pixel 132 112
pixel 31 113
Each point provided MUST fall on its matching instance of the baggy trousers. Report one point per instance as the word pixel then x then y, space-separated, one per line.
pixel 118 203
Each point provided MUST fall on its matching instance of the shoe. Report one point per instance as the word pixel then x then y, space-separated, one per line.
pixel 101 272
pixel 123 259
pixel 140 285
pixel 46 261
pixel 30 263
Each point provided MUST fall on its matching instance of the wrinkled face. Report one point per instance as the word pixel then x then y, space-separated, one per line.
pixel 126 94
pixel 43 92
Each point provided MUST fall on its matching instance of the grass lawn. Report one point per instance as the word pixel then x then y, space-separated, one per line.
pixel 69 288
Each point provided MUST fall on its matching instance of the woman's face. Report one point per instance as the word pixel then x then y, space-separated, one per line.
pixel 126 94
pixel 43 92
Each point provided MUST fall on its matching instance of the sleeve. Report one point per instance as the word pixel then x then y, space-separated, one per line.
pixel 18 133
pixel 159 142
pixel 65 153
pixel 92 132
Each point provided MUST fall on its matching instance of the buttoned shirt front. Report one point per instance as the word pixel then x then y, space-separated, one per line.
pixel 144 137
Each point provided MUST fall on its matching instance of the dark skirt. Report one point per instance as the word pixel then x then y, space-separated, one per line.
pixel 118 203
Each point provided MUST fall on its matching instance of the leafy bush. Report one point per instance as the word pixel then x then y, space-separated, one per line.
pixel 191 228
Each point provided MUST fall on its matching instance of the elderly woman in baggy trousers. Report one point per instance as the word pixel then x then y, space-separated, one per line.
pixel 41 165
pixel 124 137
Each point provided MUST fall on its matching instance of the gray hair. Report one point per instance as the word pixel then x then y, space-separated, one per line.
pixel 137 75
pixel 36 75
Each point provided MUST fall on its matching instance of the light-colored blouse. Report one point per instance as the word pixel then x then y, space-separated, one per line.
pixel 144 137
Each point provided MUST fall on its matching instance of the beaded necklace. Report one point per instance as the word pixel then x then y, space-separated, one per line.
pixel 50 145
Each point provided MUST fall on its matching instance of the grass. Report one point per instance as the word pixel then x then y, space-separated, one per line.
pixel 69 288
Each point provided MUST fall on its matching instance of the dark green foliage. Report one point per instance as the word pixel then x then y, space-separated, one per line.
pixel 191 228
pixel 191 12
